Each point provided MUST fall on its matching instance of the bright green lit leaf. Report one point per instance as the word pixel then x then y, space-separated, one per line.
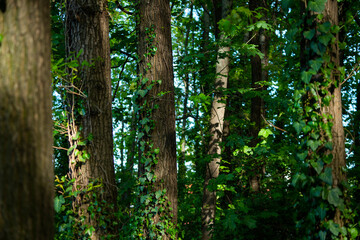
pixel 58 202
pixel 353 232
pixel 265 133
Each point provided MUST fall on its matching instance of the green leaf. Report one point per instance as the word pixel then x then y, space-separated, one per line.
pixel 158 194
pixel 316 64
pixel 309 34
pixel 306 77
pixel 326 176
pixel 322 235
pixel 317 5
pixel 334 227
pixel 353 232
pixel 142 92
pixel 334 196
pixel 313 144
pixel 265 133
pixel 58 202
pixel 325 39
pixel 297 127
pixel 325 27
pixel 302 156
pixel 318 166
pixel 149 176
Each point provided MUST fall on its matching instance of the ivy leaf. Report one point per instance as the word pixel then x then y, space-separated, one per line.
pixel 316 64
pixel 318 166
pixel 322 235
pixel 158 194
pixel 313 144
pixel 297 127
pixel 334 197
pixel 302 156
pixel 317 5
pixel 265 133
pixel 309 34
pixel 306 77
pixel 325 27
pixel 325 39
pixel 149 176
pixel 334 227
pixel 58 202
pixel 353 232
pixel 326 176
pixel 142 93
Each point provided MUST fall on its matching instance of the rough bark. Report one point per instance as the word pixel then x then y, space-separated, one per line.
pixel 26 169
pixel 155 34
pixel 87 35
pixel 335 109
pixel 216 132
pixel 259 73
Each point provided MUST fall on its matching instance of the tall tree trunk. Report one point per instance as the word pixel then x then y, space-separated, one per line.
pixel 26 169
pixel 259 74
pixel 156 71
pixel 329 85
pixel 216 132
pixel 182 160
pixel 87 35
pixel 335 108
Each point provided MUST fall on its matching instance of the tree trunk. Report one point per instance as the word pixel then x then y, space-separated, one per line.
pixel 156 71
pixel 87 35
pixel 259 74
pixel 26 169
pixel 335 109
pixel 216 132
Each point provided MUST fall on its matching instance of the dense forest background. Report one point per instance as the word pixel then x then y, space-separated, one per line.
pixel 183 119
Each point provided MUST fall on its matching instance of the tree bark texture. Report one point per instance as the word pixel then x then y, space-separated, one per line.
pixel 156 69
pixel 259 73
pixel 216 132
pixel 26 169
pixel 87 35
pixel 335 108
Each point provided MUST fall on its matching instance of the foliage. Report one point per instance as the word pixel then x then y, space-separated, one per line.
pixel 296 199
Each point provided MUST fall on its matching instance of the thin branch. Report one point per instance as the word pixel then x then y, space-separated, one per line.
pixel 118 83
pixel 123 9
pixel 61 148
pixel 352 73
pixel 272 125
